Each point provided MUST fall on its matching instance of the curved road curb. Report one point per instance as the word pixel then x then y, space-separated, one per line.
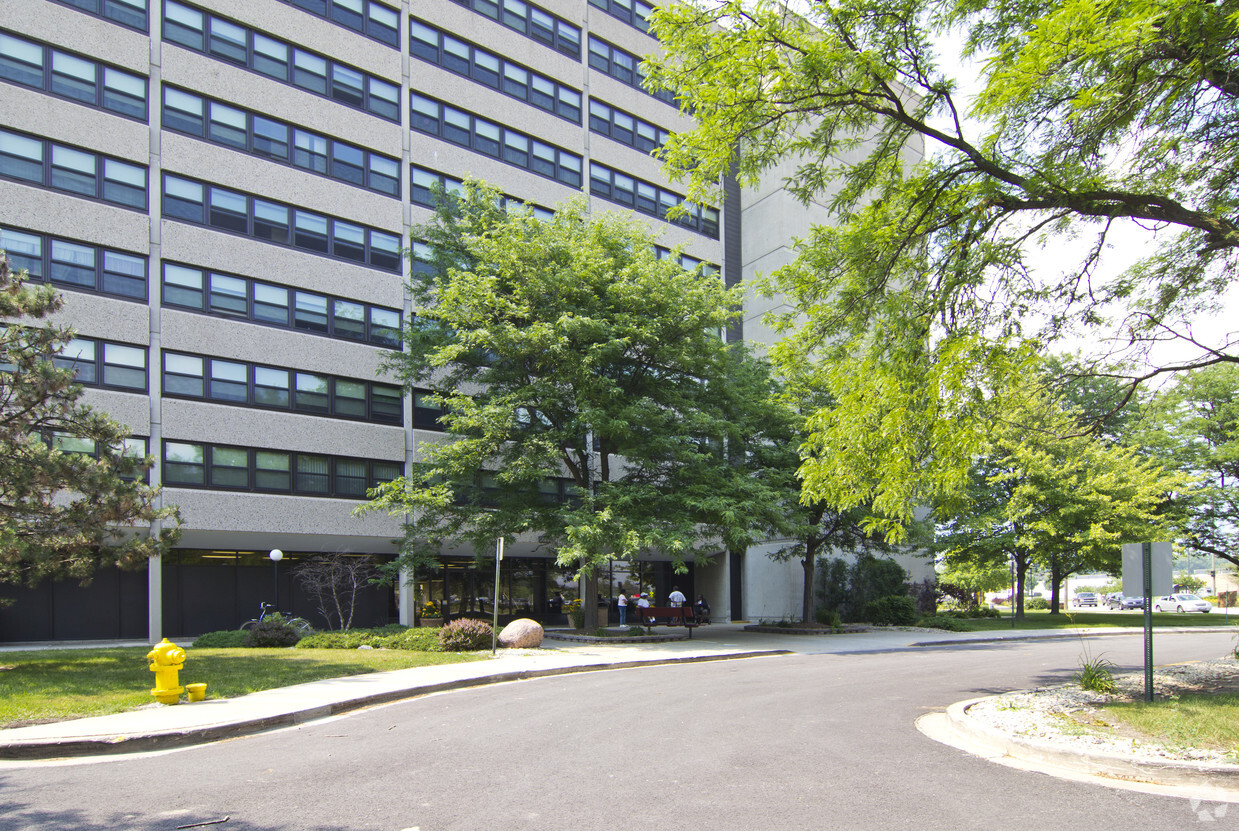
pixel 52 748
pixel 1123 768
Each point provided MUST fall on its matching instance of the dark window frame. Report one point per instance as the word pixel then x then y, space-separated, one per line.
pixel 560 42
pixel 332 477
pixel 376 105
pixel 469 68
pixel 100 178
pixel 375 256
pixel 369 27
pixel 369 157
pixel 100 9
pixel 373 329
pixel 47 82
pixel 44 273
pixel 562 173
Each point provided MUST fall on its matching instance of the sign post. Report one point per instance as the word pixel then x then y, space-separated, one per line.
pixel 1146 549
pixel 494 628
pixel 1147 569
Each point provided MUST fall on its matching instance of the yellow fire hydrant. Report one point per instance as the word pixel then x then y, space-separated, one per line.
pixel 167 659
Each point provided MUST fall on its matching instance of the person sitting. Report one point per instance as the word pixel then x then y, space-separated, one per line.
pixel 703 609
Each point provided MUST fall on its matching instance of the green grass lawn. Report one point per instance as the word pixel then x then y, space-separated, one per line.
pixel 58 684
pixel 1074 620
pixel 1204 720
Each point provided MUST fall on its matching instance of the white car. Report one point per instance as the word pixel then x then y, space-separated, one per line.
pixel 1181 603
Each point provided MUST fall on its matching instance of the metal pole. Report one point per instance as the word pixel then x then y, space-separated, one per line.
pixel 494 629
pixel 1147 551
pixel 276 555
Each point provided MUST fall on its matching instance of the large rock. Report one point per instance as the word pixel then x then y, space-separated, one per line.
pixel 521 633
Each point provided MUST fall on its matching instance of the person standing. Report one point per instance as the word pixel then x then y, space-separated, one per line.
pixel 622 600
pixel 676 598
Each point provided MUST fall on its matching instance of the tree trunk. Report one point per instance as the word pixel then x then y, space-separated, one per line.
pixel 1021 571
pixel 1056 577
pixel 589 601
pixel 812 544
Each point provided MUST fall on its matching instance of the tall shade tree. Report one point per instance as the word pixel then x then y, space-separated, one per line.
pixel 1194 426
pixel 588 395
pixel 1093 116
pixel 72 500
pixel 1042 497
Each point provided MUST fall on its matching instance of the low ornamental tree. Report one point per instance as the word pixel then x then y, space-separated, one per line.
pixel 72 497
pixel 587 393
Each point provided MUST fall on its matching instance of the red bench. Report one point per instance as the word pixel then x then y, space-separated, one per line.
pixel 668 616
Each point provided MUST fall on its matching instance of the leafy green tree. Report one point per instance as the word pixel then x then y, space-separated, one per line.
pixel 1194 426
pixel 1042 497
pixel 921 308
pixel 72 499
pixel 589 397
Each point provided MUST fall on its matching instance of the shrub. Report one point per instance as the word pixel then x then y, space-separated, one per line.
pixel 1095 675
pixel 224 639
pixel 949 623
pixel 893 610
pixel 272 632
pixel 829 617
pixel 392 636
pixel 1039 603
pixel 465 635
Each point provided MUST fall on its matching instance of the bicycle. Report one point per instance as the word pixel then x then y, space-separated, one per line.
pixel 265 610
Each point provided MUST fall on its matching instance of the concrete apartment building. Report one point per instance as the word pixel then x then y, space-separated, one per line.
pixel 222 189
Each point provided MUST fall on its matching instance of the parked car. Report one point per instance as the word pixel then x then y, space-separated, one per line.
pixel 1133 603
pixel 1085 599
pixel 1181 603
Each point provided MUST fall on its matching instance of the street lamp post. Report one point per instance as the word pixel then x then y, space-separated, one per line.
pixel 276 555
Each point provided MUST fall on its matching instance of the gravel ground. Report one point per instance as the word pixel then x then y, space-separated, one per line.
pixel 1068 715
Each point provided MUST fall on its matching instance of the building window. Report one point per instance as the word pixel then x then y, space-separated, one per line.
pixel 624 127
pixel 532 22
pixel 374 20
pixel 464 58
pixel 71 170
pixel 227 467
pixel 195 29
pixel 98 363
pixel 72 77
pixel 75 265
pixel 239 213
pixel 467 130
pixel 635 13
pixel 648 198
pixel 131 13
pixel 622 66
pixel 226 295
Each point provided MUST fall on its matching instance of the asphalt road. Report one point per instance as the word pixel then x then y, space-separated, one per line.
pixel 789 742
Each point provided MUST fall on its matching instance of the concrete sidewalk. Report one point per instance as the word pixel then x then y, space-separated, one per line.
pixel 158 727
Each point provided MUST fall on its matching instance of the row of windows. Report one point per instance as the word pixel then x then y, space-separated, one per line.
pixel 75 264
pixel 65 75
pixel 198 465
pixel 532 22
pixel 275 222
pixel 374 20
pixel 230 126
pixel 463 58
pixel 131 13
pixel 133 447
pixel 622 66
pixel 99 363
pixel 459 127
pixel 648 198
pixel 226 295
pixel 688 263
pixel 68 169
pixel 424 182
pixel 220 38
pixel 636 13
pixel 625 128
pixel 252 385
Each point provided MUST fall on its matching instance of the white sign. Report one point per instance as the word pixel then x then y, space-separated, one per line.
pixel 1133 569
